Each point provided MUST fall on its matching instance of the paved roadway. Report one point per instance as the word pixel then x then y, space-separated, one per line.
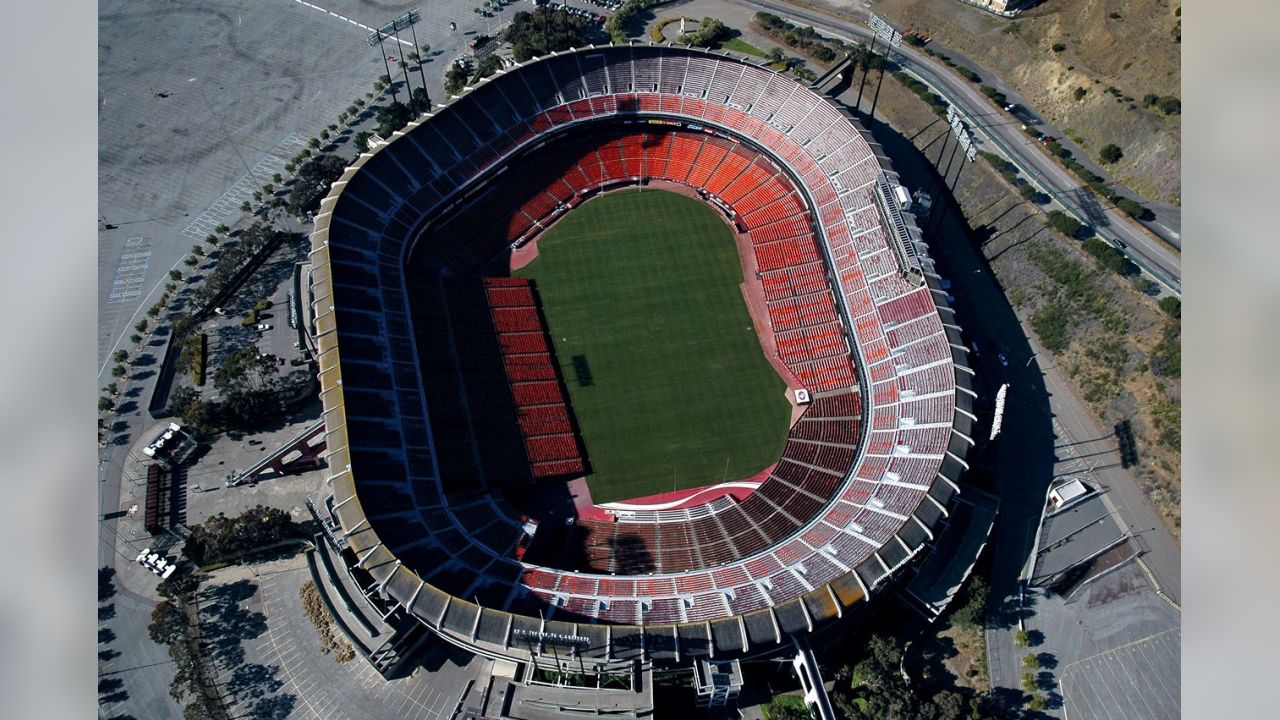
pixel 999 132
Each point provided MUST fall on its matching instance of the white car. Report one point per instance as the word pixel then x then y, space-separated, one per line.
pixel 263 326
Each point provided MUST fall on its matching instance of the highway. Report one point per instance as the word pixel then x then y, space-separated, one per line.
pixel 999 132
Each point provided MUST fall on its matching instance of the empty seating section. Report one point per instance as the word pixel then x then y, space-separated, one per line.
pixel 550 444
pixel 907 307
pixel 730 556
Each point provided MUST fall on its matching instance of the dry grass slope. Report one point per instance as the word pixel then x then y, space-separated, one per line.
pixel 1135 53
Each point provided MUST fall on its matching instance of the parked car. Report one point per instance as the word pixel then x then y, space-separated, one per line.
pixel 263 326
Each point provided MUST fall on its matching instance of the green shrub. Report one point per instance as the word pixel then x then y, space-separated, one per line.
pixel 1110 153
pixel 1109 257
pixel 1172 307
pixel 973 611
pixel 1052 326
pixel 1068 225
pixel 968 74
pixel 1133 209
pixel 1059 47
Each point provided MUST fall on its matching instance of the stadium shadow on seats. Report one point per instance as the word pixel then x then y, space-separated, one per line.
pixel 1022 461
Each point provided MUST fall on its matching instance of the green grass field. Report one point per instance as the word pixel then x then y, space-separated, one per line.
pixel 665 373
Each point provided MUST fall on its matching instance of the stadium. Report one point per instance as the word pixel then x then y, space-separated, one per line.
pixel 466 387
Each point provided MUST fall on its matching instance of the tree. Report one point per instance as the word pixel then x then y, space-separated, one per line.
pixel 222 229
pixel 228 538
pixel 455 78
pixel 179 585
pixel 168 624
pixel 974 610
pixel 246 206
pixel 1059 47
pixel 1110 153
pixel 787 707
pixel 105 404
pixel 392 117
pixel 489 65
pixel 313 183
pixel 544 30
pixel 120 356
pixel 199 416
pixel 1108 256
pixel 362 141
pixel 1079 93
pixel 250 387
pixel 1134 209
pixel 1030 660
pixel 419 102
pixel 1171 306
pixel 1170 105
pixel 176 274
pixel 1021 638
pixel 181 400
pixel 1068 225
pixel 709 32
pixel 111 389
pixel 141 326
pixel 118 371
pixel 202 707
pixel 944 705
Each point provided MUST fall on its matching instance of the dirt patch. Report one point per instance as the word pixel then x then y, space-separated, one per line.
pixel 524 255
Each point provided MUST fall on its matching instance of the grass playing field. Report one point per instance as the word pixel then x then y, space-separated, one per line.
pixel 641 290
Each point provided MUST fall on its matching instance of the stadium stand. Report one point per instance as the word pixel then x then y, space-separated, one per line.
pixel 413 405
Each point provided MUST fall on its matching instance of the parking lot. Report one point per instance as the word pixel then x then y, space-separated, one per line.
pixel 1138 681
pixel 292 678
pixel 198 106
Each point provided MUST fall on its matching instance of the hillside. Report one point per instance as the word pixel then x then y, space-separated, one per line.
pixel 1134 52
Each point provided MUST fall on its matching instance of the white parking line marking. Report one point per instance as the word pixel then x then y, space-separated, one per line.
pixel 349 20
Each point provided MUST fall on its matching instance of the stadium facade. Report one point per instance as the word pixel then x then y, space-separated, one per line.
pixel 868 473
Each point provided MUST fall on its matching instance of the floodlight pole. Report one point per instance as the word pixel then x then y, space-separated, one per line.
pixel 404 67
pixel 883 66
pixel 857 105
pixel 879 81
pixel 940 206
pixel 933 184
pixel 421 73
pixel 387 65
